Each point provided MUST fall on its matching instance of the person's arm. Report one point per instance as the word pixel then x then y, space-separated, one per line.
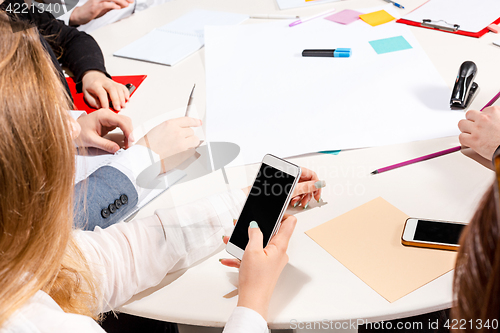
pixel 130 257
pixel 76 50
pixel 81 54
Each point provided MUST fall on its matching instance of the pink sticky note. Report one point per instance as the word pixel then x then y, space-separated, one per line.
pixel 345 16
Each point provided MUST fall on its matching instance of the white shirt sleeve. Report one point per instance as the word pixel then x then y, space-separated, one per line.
pixel 130 257
pixel 245 320
pixel 138 161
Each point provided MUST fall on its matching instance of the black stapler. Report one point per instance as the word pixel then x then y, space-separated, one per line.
pixel 465 88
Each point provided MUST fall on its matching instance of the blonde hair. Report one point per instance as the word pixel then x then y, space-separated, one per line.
pixel 37 251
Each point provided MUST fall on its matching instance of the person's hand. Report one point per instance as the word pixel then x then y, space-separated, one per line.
pixel 93 9
pixel 261 267
pixel 96 87
pixel 481 131
pixel 99 123
pixel 309 186
pixel 172 137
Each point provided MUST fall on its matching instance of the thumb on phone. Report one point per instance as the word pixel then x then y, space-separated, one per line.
pixel 255 238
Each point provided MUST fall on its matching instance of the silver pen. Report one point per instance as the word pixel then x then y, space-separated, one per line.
pixel 277 17
pixel 189 100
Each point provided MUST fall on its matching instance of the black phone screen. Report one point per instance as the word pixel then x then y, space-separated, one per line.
pixel 438 232
pixel 264 204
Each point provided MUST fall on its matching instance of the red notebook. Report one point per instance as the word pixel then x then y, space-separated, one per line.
pixel 79 101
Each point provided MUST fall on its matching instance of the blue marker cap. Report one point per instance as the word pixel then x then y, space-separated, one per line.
pixel 342 53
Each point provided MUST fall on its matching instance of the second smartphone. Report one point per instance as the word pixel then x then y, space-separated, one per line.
pixel 268 199
pixel 441 235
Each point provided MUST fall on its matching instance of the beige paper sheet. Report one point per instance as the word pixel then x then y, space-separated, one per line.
pixel 367 240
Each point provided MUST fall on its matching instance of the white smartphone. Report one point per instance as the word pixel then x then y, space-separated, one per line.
pixel 268 199
pixel 443 235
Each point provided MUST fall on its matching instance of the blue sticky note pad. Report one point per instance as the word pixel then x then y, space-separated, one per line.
pixel 392 44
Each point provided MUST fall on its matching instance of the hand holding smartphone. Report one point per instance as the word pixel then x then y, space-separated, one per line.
pixel 266 203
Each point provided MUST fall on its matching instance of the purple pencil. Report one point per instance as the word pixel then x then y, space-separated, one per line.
pixel 433 155
pixel 418 159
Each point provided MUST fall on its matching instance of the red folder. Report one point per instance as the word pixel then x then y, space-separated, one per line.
pixel 458 32
pixel 79 101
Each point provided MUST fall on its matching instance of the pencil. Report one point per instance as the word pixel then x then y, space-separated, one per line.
pixel 189 100
pixel 418 159
pixel 433 155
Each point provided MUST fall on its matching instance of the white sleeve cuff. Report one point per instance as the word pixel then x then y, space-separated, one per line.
pixel 76 114
pixel 245 320
pixel 135 160
pixel 66 16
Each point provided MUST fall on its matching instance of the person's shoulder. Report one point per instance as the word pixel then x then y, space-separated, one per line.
pixel 42 314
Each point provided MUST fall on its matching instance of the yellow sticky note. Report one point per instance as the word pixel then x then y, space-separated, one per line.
pixel 377 18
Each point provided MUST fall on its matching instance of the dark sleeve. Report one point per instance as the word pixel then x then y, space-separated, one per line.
pixel 76 50
pixel 106 197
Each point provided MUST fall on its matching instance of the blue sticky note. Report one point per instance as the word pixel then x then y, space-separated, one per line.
pixel 392 44
pixel 331 152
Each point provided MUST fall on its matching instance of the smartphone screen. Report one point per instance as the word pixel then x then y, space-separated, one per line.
pixel 438 232
pixel 264 204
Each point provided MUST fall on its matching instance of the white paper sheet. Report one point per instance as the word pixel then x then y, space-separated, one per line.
pixel 472 16
pixel 287 4
pixel 177 40
pixel 267 98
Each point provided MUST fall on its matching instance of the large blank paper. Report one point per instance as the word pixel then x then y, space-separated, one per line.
pixel 367 240
pixel 267 98
pixel 472 16
pixel 175 41
pixel 287 4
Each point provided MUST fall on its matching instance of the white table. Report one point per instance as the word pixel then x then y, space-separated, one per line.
pixel 314 286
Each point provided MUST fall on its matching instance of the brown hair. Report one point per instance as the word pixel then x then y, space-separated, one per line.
pixel 477 273
pixel 37 251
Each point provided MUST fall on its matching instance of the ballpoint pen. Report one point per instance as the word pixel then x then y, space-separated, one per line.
pixel 395 4
pixel 276 17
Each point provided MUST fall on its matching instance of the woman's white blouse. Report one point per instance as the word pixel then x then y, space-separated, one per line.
pixel 128 258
